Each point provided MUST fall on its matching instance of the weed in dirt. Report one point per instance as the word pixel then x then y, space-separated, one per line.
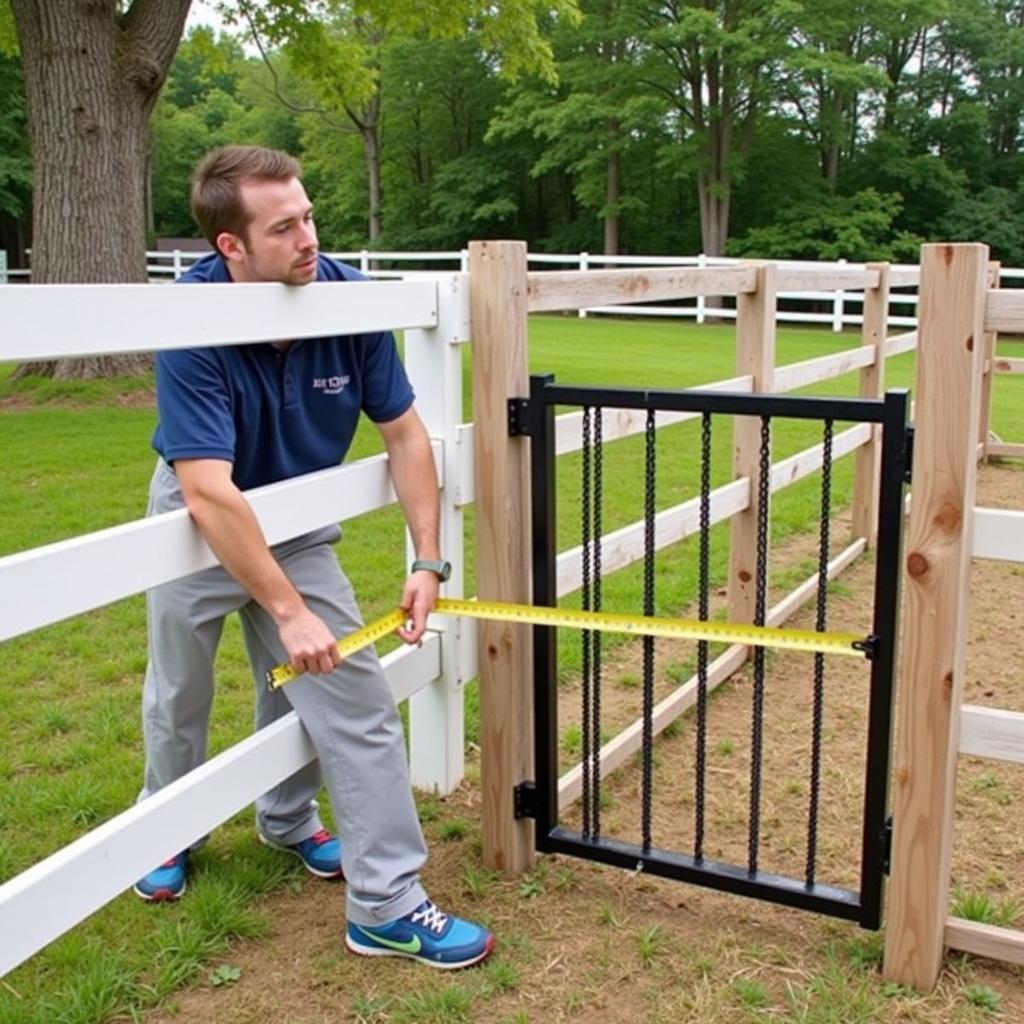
pixel 225 974
pixel 866 952
pixel 752 994
pixel 725 748
pixel 831 997
pixel 497 976
pixel 428 808
pixel 519 1017
pixel 369 1009
pixel 102 988
pixel 979 906
pixel 453 830
pixel 607 915
pixel 565 880
pixel 983 997
pixel 674 728
pixel 629 680
pixel 181 949
pixel 221 910
pixel 530 888
pixel 650 944
pixel 478 881
pixel 450 1005
pixel 680 671
pixel 572 740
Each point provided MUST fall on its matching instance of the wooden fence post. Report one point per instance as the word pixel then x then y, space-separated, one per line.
pixel 950 351
pixel 498 306
pixel 988 372
pixel 868 458
pixel 755 355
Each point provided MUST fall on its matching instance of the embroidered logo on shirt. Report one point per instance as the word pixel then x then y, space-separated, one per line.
pixel 331 385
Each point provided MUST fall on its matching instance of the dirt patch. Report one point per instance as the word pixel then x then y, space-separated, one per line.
pixel 578 941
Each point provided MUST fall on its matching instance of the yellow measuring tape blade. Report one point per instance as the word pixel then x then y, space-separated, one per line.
pixel 606 622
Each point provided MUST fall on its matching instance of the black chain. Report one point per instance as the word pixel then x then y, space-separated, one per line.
pixel 761 575
pixel 586 540
pixel 648 644
pixel 819 659
pixel 595 635
pixel 702 645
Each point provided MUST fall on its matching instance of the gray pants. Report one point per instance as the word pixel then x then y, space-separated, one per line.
pixel 350 716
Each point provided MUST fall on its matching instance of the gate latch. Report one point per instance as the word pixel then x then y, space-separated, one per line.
pixel 908 455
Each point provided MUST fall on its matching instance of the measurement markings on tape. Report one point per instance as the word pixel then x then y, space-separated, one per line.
pixel 853 644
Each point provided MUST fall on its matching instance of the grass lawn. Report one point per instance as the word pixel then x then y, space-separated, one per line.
pixel 76 458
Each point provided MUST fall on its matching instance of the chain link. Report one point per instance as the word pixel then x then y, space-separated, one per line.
pixel 702 645
pixel 819 659
pixel 760 596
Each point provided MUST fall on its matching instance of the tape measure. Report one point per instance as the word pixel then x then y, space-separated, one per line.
pixel 606 622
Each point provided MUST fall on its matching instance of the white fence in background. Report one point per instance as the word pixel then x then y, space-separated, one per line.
pixel 846 306
pixel 108 565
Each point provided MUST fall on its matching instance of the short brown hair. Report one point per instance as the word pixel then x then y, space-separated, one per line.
pixel 216 197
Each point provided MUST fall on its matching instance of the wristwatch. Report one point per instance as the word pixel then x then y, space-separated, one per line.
pixel 441 569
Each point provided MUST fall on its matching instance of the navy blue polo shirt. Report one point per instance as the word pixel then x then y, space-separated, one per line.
pixel 275 414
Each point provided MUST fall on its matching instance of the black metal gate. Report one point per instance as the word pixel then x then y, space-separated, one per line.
pixel 535 417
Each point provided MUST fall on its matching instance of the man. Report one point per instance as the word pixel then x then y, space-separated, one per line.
pixel 236 417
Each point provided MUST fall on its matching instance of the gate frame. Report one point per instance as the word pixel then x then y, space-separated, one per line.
pixel 539 799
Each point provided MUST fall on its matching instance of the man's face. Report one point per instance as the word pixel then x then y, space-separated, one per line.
pixel 281 243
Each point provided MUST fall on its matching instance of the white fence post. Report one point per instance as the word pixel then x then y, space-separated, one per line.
pixel 838 307
pixel 434 361
pixel 364 261
pixel 702 261
pixel 464 261
pixel 177 264
pixel 584 265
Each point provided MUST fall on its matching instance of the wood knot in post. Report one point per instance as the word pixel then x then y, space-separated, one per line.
pixel 492 651
pixel 948 518
pixel 947 686
pixel 947 254
pixel 744 576
pixel 902 775
pixel 917 564
pixel 970 343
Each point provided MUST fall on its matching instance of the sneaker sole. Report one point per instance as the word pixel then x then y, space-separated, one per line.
pixel 329 875
pixel 360 950
pixel 159 895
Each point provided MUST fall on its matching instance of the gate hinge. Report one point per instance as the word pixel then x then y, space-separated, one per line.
pixel 908 455
pixel 518 417
pixel 525 800
pixel 886 838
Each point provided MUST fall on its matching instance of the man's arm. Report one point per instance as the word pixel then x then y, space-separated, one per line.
pixel 229 526
pixel 411 462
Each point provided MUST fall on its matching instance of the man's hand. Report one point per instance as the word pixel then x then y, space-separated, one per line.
pixel 418 600
pixel 309 643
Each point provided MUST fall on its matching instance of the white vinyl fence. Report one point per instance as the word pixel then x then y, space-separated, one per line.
pixel 61 320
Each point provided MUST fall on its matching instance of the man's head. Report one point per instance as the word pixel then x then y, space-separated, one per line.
pixel 251 206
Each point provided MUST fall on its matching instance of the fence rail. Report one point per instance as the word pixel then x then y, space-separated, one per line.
pixel 837 285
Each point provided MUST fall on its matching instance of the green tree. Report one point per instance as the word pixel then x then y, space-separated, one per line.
pixel 337 48
pixel 714 64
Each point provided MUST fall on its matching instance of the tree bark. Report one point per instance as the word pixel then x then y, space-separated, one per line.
pixel 92 76
pixel 611 216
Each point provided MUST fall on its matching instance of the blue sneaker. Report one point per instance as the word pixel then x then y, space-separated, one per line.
pixel 426 935
pixel 165 883
pixel 321 853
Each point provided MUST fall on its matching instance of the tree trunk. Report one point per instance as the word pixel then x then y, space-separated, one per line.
pixel 92 77
pixel 369 131
pixel 611 216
